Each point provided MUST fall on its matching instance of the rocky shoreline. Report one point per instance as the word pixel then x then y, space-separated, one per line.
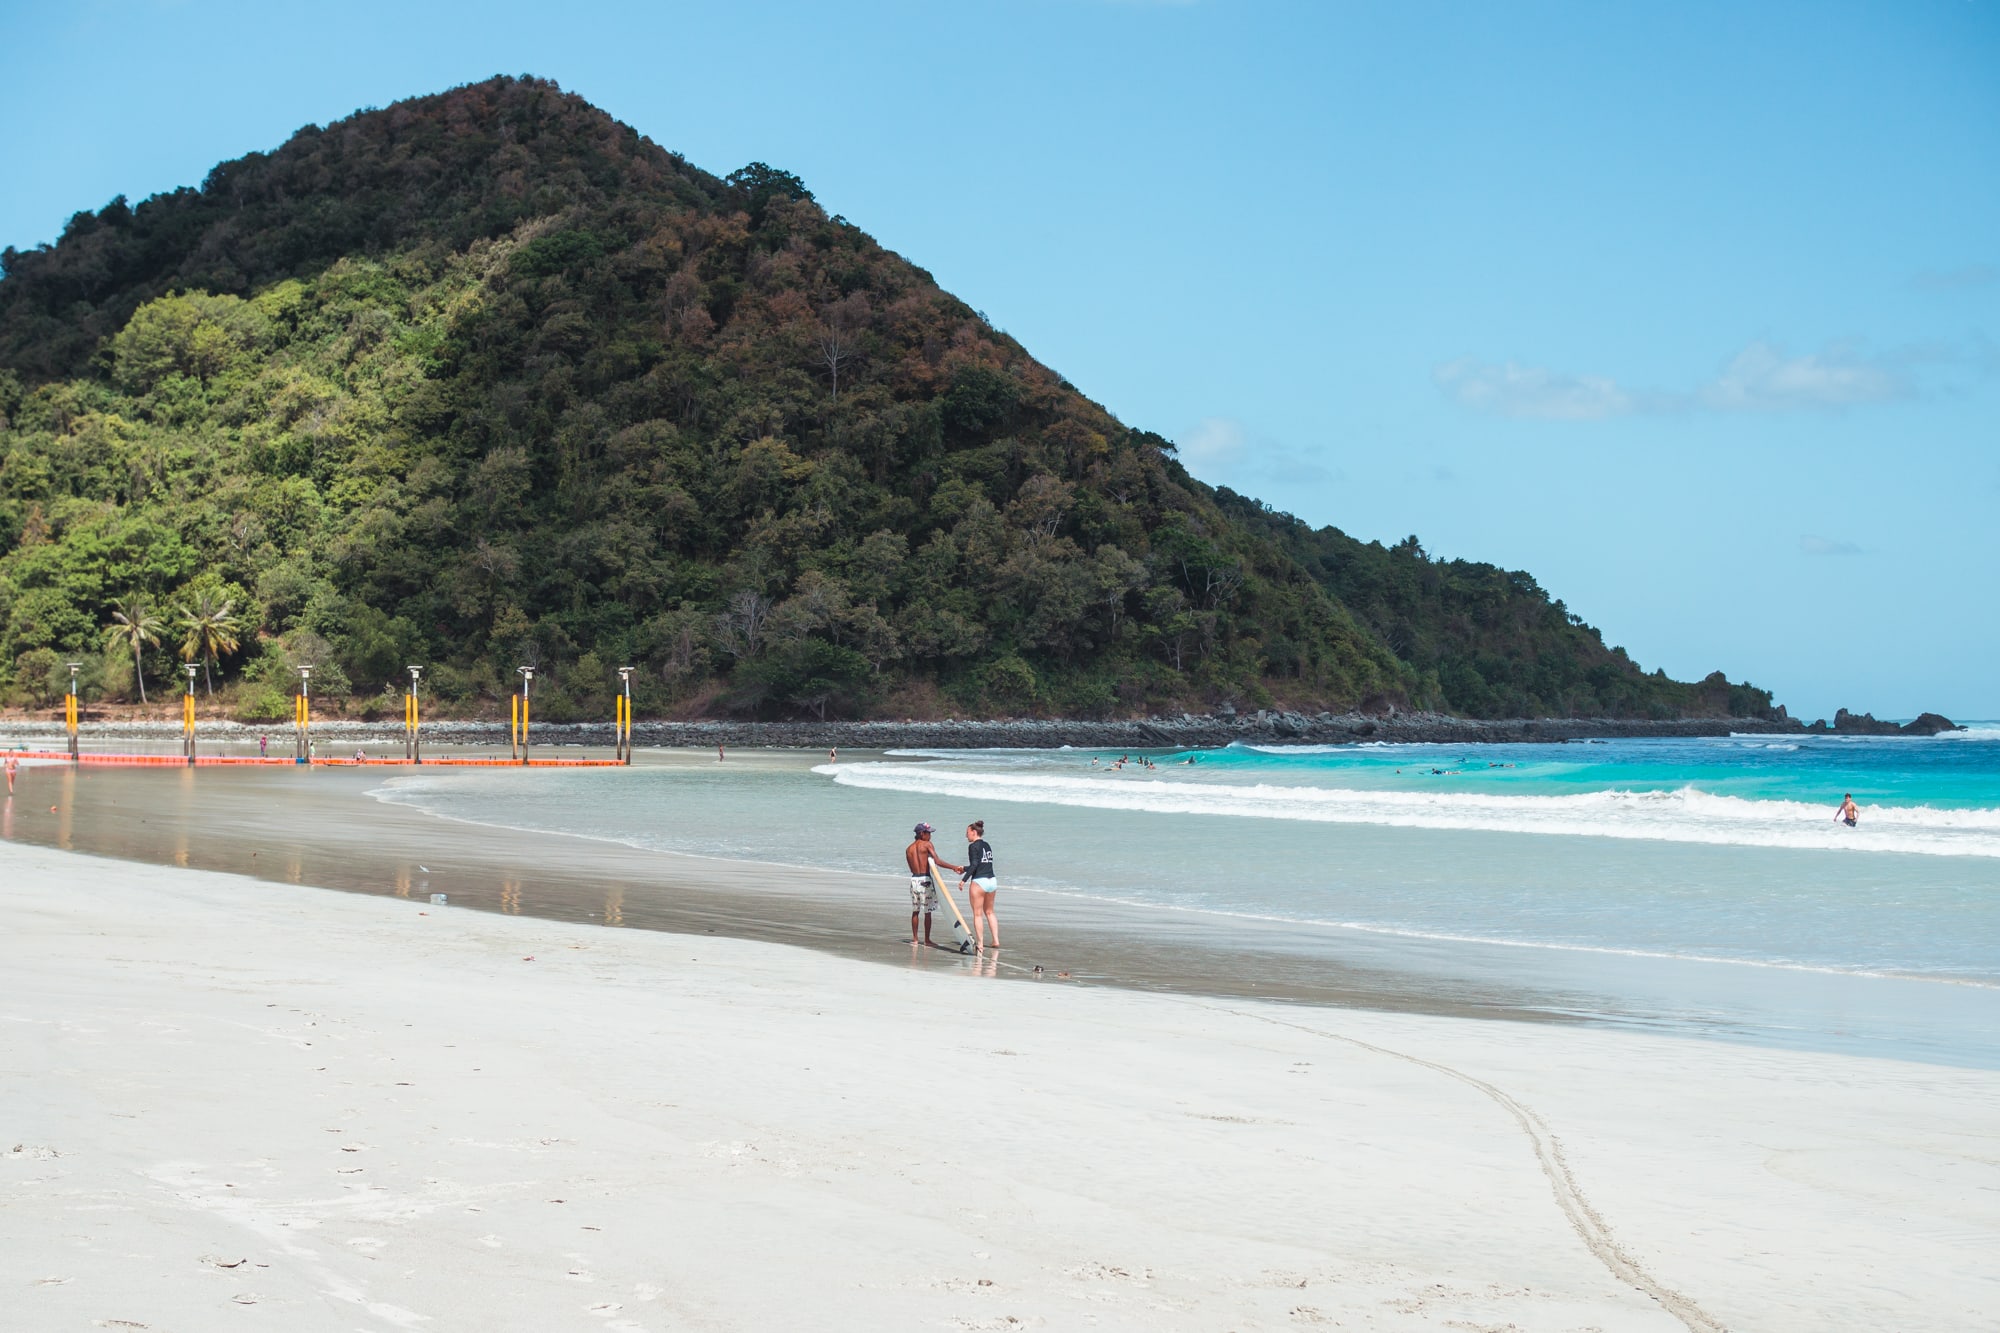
pixel 1184 731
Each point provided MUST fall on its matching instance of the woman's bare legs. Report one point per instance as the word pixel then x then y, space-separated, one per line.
pixel 982 916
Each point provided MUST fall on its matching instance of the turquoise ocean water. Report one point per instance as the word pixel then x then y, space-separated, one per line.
pixel 1721 855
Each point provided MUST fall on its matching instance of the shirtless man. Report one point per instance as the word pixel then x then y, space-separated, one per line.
pixel 923 892
pixel 1849 811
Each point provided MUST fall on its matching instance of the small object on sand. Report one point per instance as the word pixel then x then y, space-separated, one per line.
pixel 529 959
pixel 438 900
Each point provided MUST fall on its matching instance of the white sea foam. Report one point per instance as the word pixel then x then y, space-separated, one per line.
pixel 1685 815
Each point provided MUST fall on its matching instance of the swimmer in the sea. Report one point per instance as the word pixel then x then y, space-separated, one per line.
pixel 1849 813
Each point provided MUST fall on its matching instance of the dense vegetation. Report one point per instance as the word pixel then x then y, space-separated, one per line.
pixel 486 379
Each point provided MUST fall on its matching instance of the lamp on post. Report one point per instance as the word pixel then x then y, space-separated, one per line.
pixel 625 714
pixel 527 681
pixel 69 708
pixel 414 751
pixel 187 714
pixel 303 722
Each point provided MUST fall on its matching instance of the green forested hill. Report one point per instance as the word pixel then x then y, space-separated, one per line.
pixel 486 378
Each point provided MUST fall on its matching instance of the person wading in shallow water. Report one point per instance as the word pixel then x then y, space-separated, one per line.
pixel 923 890
pixel 1850 813
pixel 978 876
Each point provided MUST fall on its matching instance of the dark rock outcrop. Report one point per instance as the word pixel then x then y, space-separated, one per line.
pixel 1867 724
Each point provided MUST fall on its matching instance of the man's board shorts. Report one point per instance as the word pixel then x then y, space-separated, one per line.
pixel 923 894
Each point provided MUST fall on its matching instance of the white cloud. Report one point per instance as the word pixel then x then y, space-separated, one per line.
pixel 1810 545
pixel 1529 391
pixel 1763 377
pixel 1956 279
pixel 1216 441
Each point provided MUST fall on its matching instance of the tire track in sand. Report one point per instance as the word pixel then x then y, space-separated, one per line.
pixel 1589 1224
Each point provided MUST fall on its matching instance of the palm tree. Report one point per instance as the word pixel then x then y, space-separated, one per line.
pixel 211 631
pixel 134 626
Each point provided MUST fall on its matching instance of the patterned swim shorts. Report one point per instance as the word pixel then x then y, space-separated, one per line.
pixel 923 894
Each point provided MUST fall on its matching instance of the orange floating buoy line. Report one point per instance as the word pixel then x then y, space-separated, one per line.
pixel 256 761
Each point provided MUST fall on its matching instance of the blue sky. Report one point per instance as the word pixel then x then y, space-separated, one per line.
pixel 1693 311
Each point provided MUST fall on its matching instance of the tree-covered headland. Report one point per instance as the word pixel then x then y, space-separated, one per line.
pixel 487 378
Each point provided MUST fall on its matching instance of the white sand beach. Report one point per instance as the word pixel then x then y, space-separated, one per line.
pixel 230 1103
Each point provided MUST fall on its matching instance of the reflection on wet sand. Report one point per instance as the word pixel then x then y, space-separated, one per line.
pixel 304 826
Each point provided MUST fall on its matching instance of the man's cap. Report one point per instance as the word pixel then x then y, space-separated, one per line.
pixel 923 829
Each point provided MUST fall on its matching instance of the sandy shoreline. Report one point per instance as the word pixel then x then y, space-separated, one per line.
pixel 239 1100
pixel 320 827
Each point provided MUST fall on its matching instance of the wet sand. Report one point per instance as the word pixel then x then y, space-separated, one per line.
pixel 317 826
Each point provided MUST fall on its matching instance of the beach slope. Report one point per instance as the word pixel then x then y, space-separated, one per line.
pixel 236 1103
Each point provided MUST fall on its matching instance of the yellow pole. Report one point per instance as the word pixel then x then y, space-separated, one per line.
pixel 514 726
pixel 524 726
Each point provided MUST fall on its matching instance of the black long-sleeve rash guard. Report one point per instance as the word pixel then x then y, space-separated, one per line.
pixel 978 861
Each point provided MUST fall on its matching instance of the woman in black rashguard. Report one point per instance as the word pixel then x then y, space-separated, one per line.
pixel 979 878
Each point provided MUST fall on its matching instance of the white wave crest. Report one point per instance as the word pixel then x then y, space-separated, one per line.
pixel 1686 815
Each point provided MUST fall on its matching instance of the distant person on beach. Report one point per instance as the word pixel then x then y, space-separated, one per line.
pixel 718 752
pixel 12 764
pixel 978 876
pixel 833 756
pixel 923 889
pixel 1850 813
pixel 263 747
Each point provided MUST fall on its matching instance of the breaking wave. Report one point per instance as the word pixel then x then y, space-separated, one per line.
pixel 1684 815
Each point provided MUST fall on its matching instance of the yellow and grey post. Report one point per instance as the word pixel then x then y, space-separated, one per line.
pixel 187 715
pixel 302 724
pixel 69 710
pixel 527 680
pixel 625 714
pixel 413 750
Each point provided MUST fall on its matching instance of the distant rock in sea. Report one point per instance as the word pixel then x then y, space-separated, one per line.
pixel 1867 724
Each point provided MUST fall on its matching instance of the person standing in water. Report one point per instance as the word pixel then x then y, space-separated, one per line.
pixel 12 764
pixel 978 876
pixel 923 889
pixel 1850 813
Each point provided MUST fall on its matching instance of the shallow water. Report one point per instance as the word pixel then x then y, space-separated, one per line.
pixel 1221 878
pixel 1337 839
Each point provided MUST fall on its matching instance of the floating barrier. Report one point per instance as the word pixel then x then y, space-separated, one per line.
pixel 211 760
